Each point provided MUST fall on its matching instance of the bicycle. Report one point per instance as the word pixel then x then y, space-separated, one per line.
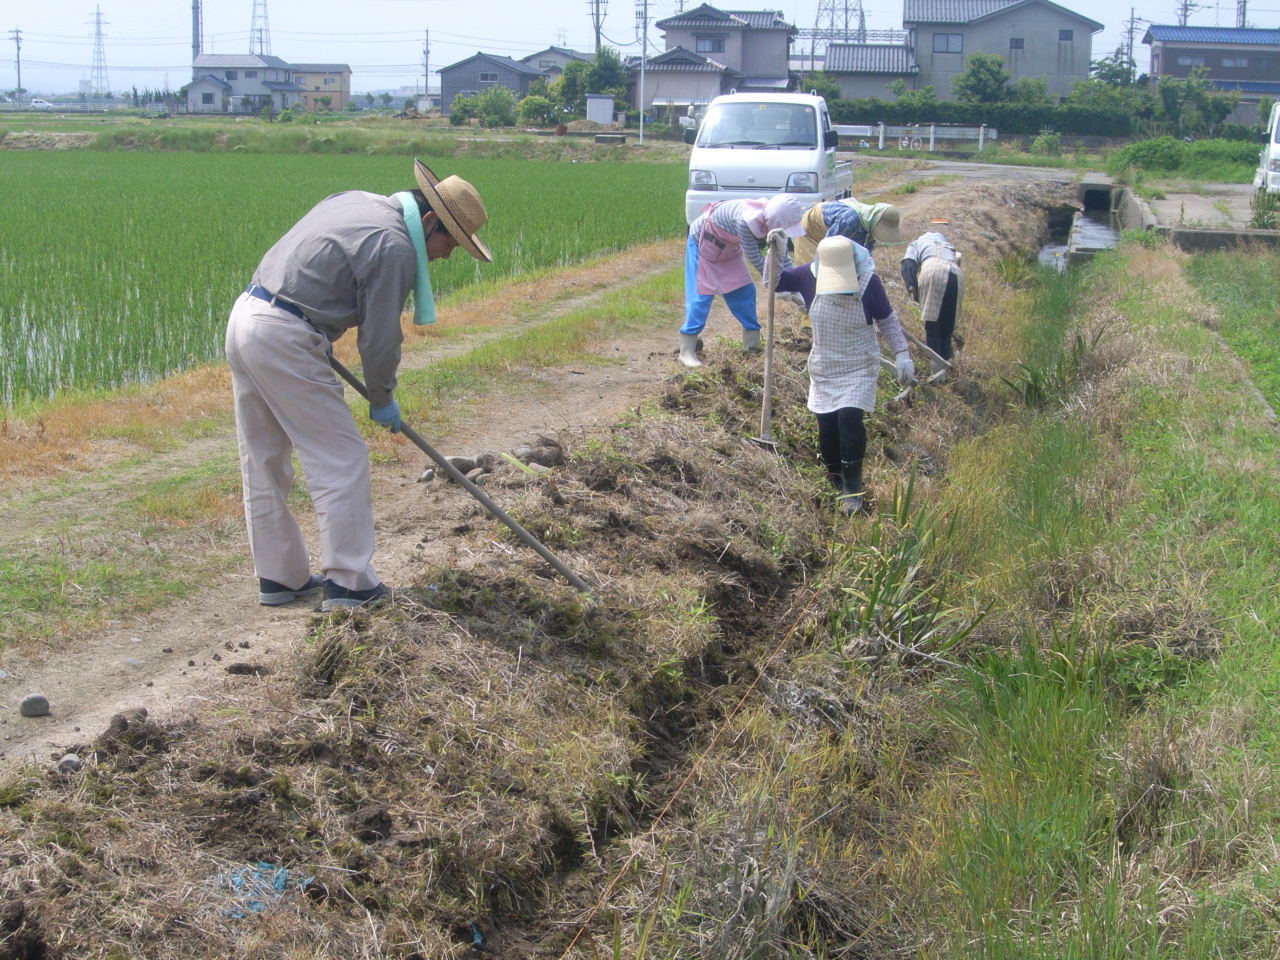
pixel 909 142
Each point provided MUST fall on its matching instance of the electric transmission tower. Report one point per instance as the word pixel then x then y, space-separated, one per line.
pixel 98 86
pixel 260 32
pixel 841 21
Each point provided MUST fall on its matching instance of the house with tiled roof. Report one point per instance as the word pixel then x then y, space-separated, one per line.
pixel 678 79
pixel 1034 38
pixel 325 86
pixel 1243 59
pixel 867 69
pixel 755 44
pixel 481 72
pixel 246 83
pixel 552 61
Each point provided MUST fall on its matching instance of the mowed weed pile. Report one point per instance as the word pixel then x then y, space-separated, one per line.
pixel 478 763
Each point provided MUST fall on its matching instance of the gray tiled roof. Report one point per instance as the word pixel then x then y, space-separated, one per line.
pixel 1171 34
pixel 762 19
pixel 680 60
pixel 323 67
pixel 513 65
pixel 703 16
pixel 563 51
pixel 235 60
pixel 895 58
pixel 970 11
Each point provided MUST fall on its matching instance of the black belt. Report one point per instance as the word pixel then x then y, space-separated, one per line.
pixel 254 290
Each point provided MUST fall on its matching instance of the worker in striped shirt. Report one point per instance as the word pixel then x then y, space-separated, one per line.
pixel 724 238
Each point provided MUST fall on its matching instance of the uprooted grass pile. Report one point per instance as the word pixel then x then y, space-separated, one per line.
pixel 445 762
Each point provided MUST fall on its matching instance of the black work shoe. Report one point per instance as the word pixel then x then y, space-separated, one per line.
pixel 850 503
pixel 336 597
pixel 272 594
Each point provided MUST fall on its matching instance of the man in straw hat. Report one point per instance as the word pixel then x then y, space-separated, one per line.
pixel 721 240
pixel 845 298
pixel 349 262
pixel 931 266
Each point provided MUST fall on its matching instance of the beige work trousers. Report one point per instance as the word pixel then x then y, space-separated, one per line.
pixel 287 397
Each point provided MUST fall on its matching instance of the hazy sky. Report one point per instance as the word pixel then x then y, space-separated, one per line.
pixel 147 43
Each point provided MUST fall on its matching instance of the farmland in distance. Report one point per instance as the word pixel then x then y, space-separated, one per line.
pixel 117 268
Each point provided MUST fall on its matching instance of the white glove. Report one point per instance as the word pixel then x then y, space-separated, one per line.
pixel 777 240
pixel 905 368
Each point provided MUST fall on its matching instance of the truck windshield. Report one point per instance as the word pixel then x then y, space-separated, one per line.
pixel 760 126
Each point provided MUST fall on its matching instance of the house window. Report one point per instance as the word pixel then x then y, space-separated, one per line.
pixel 1238 62
pixel 708 44
pixel 1066 36
pixel 251 74
pixel 1191 61
pixel 300 80
pixel 948 43
pixel 488 78
pixel 1015 43
pixel 230 74
pixel 328 81
pixel 543 64
pixel 206 99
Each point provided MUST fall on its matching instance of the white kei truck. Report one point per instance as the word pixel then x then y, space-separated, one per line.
pixel 1268 175
pixel 762 144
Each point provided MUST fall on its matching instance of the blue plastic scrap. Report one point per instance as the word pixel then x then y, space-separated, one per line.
pixel 260 887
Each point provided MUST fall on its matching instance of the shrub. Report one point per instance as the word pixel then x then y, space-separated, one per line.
pixel 1047 144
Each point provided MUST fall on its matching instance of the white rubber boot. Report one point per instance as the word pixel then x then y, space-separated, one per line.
pixel 689 350
pixel 750 340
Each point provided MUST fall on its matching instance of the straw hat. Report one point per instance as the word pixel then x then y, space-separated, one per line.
pixel 458 206
pixel 887 228
pixel 837 271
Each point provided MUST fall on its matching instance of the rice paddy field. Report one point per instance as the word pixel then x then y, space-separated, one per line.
pixel 119 268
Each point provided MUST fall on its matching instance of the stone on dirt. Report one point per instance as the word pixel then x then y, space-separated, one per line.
pixel 34 705
pixel 70 763
pixel 463 465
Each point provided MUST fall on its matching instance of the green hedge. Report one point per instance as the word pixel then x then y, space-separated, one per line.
pixel 1010 118
pixel 1233 160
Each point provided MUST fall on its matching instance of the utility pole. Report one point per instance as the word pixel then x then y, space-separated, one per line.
pixel 17 42
pixel 1241 12
pixel 1184 11
pixel 598 8
pixel 642 18
pixel 426 69
pixel 98 86
pixel 197 33
pixel 1133 23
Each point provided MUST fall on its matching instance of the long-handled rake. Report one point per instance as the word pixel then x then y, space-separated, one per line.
pixel 459 478
pixel 772 261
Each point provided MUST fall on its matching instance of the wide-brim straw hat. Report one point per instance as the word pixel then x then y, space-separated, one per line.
pixel 458 206
pixel 888 228
pixel 837 271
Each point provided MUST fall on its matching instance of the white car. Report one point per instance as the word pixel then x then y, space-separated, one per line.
pixel 35 103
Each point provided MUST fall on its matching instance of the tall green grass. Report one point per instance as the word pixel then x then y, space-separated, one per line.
pixel 118 268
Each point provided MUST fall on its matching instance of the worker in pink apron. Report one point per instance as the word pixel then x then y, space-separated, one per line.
pixel 724 237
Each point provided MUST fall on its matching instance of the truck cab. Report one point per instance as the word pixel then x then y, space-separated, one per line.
pixel 1267 176
pixel 761 144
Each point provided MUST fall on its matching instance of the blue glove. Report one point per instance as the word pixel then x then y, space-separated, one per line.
pixel 906 368
pixel 388 416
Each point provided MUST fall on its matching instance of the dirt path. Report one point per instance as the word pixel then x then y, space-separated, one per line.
pixel 168 660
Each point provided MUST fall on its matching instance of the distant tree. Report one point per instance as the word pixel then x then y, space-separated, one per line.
pixel 606 75
pixel 368 100
pixel 464 108
pixel 570 91
pixel 326 102
pixel 1118 70
pixel 541 87
pixel 1191 107
pixel 496 107
pixel 1264 110
pixel 912 98
pixel 386 100
pixel 984 80
pixel 1033 91
pixel 538 111
pixel 821 83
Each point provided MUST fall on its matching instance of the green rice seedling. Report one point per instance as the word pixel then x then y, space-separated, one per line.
pixel 138 283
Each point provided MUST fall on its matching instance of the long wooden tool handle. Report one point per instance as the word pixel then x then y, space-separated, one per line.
pixel 459 478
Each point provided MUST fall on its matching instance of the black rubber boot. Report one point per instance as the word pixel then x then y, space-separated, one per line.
pixel 850 498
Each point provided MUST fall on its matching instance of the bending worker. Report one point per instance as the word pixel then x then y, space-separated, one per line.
pixel 350 262
pixel 844 297
pixel 865 224
pixel 931 266
pixel 721 240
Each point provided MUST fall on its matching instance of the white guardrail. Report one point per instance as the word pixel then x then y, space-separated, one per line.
pixel 913 136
